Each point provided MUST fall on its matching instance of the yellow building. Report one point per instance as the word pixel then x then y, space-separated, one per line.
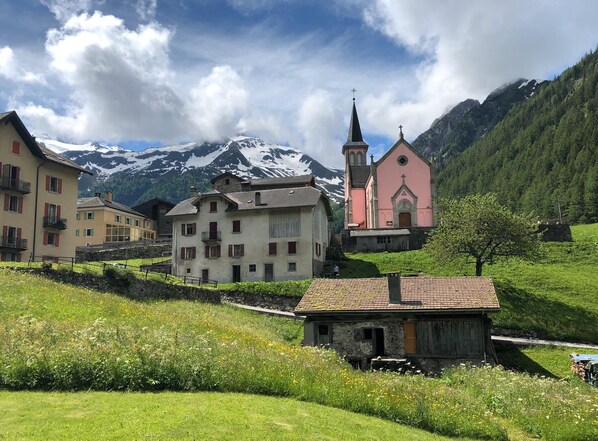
pixel 38 190
pixel 101 220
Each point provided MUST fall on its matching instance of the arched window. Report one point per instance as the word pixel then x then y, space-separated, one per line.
pixel 359 158
pixel 352 158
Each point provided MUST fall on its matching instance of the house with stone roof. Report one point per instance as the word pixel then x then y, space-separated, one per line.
pixel 100 220
pixel 251 230
pixel 39 193
pixel 389 201
pixel 436 321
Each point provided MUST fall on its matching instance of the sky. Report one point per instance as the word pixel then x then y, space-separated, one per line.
pixel 142 73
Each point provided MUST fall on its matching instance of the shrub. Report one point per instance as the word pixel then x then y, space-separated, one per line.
pixel 119 277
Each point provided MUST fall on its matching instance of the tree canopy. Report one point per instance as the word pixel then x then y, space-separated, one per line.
pixel 479 227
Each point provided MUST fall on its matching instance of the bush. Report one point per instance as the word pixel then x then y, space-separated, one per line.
pixel 119 277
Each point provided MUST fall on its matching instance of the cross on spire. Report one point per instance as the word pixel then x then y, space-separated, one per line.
pixel 401 131
pixel 353 90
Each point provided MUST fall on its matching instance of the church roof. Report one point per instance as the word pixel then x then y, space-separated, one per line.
pixel 354 138
pixel 359 175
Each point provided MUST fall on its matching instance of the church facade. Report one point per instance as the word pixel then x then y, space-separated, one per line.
pixel 388 200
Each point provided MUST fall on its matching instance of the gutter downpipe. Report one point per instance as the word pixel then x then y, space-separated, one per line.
pixel 32 258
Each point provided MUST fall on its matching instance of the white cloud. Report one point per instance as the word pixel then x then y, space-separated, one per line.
pixel 146 9
pixel 320 122
pixel 65 9
pixel 470 49
pixel 218 102
pixel 12 70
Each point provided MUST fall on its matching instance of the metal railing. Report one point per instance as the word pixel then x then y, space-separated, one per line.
pixel 13 243
pixel 54 222
pixel 210 235
pixel 9 183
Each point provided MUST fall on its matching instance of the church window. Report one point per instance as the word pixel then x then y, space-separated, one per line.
pixel 352 158
pixel 359 158
pixel 402 160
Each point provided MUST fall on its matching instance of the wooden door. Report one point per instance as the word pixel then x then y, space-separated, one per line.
pixel 404 220
pixel 268 272
pixel 236 273
pixel 410 340
pixel 213 230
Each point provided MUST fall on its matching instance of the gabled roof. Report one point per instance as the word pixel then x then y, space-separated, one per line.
pixel 359 175
pixel 225 175
pixel 184 207
pixel 37 149
pixel 396 145
pixel 95 202
pixel 279 198
pixel 285 181
pixel 418 294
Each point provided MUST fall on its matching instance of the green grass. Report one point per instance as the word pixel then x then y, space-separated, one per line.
pixel 59 337
pixel 173 416
pixel 554 298
pixel 290 288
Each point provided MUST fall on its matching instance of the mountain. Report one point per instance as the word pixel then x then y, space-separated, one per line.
pixel 543 155
pixel 168 172
pixel 469 120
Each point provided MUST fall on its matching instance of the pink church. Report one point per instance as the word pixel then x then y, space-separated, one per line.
pixel 390 197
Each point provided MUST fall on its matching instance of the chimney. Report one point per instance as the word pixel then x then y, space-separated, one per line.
pixel 394 287
pixel 98 195
pixel 258 198
pixel 193 191
pixel 108 196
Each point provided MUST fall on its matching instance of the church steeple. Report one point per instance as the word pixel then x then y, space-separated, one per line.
pixel 354 137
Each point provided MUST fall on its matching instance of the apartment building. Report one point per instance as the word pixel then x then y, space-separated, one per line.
pixel 100 220
pixel 266 230
pixel 38 189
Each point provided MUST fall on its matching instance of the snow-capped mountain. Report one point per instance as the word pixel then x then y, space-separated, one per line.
pixel 167 172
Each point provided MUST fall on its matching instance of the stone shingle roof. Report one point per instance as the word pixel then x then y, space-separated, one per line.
pixel 95 201
pixel 184 207
pixel 285 181
pixel 59 159
pixel 425 294
pixel 276 198
pixel 359 175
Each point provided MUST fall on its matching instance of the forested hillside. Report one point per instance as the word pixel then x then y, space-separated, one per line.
pixel 544 152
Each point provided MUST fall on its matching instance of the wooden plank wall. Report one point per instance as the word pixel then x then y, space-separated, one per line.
pixel 450 337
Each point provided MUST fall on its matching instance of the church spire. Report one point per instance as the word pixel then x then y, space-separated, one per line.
pixel 354 128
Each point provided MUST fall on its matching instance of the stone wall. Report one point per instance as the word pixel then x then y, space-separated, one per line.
pixel 134 252
pixel 269 301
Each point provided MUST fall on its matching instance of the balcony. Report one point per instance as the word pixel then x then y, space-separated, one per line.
pixel 12 243
pixel 9 183
pixel 211 236
pixel 54 222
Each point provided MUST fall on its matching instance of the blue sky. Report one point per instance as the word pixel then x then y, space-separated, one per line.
pixel 150 72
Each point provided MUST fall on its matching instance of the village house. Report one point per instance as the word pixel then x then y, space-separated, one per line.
pixel 39 193
pixel 434 321
pixel 256 230
pixel 100 220
pixel 388 203
pixel 156 210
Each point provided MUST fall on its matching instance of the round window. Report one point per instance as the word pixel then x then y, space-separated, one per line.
pixel 402 160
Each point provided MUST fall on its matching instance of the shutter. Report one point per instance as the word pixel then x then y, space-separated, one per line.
pixel 183 230
pixel 4 233
pixel 17 174
pixel 19 232
pixel 6 201
pixel 21 204
pixel 16 147
pixel 230 251
pixel 242 250
pixel 193 252
pixel 193 228
pixel 217 250
pixel 91 231
pixel 57 239
pixel 207 252
pixel 45 238
pixel 46 209
pixel 58 212
pixel 182 252
pixel 59 185
pixel 48 180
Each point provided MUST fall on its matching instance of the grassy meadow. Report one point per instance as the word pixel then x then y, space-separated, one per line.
pixel 56 337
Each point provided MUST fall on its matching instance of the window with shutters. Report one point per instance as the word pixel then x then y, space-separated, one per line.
pixel 87 232
pixel 117 218
pixel 188 253
pixel 237 250
pixel 272 249
pixel 16 147
pixel 53 184
pixel 128 220
pixel 136 222
pixel 292 248
pixel 89 215
pixel 78 216
pixel 51 239
pixel 13 203
pixel 189 229
pixel 236 226
pixel 213 207
pixel 212 251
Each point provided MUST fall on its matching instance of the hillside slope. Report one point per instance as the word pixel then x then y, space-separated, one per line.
pixel 543 154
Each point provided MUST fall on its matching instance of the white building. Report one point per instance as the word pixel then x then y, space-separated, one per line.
pixel 261 230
